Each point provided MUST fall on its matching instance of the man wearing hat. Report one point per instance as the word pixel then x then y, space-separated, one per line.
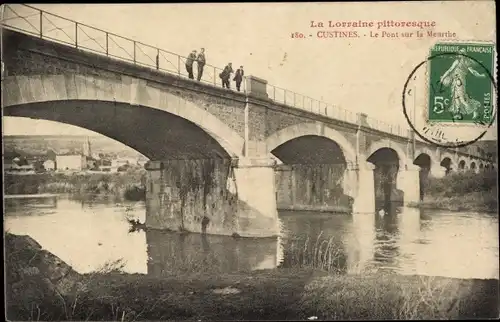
pixel 238 77
pixel 189 63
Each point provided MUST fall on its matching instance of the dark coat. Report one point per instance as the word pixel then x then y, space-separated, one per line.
pixel 238 76
pixel 226 73
pixel 190 59
pixel 201 59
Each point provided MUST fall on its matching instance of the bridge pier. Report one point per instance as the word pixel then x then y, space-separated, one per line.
pixel 255 186
pixel 437 171
pixel 408 180
pixel 212 196
pixel 364 202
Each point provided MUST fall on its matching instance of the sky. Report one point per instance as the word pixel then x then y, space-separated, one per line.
pixel 362 74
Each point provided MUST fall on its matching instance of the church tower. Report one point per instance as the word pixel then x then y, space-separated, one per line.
pixel 87 150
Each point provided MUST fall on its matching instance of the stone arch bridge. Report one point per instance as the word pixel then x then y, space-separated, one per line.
pixel 222 162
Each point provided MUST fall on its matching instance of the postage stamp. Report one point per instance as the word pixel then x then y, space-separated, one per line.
pixel 449 98
pixel 460 86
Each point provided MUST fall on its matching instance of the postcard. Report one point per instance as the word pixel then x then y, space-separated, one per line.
pixel 250 161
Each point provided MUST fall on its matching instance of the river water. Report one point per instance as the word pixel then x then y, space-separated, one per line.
pixel 88 234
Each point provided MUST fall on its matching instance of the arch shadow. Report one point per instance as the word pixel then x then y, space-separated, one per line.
pixel 387 165
pixel 315 172
pixel 424 161
pixel 156 134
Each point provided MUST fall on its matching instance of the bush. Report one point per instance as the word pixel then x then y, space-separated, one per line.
pixel 128 185
pixel 463 191
pixel 462 183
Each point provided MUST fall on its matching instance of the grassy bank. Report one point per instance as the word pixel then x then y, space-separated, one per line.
pixel 462 192
pixel 128 185
pixel 272 294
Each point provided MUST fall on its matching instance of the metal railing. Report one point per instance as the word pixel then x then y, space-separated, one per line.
pixel 45 25
pixel 397 130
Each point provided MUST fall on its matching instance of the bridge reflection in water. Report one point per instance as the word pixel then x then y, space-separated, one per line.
pixel 171 253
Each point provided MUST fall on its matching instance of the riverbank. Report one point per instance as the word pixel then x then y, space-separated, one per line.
pixel 462 192
pixel 128 185
pixel 271 294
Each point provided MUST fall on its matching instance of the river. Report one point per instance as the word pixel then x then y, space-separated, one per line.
pixel 87 234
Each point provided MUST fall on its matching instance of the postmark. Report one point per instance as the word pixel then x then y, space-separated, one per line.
pixel 449 99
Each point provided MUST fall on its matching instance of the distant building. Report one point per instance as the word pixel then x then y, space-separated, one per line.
pixel 76 162
pixel 87 148
pixel 49 165
pixel 118 164
pixel 104 164
pixel 10 165
pixel 14 168
pixel 27 168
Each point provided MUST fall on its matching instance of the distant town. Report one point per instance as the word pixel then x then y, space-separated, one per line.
pixel 31 155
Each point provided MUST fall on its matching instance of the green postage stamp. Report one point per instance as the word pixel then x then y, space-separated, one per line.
pixel 461 83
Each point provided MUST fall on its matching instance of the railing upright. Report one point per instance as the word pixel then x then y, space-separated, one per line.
pixel 135 44
pixel 76 35
pixel 107 43
pixel 179 65
pixel 41 24
pixel 157 58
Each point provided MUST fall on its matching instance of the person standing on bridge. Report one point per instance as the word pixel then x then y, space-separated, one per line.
pixel 238 77
pixel 189 63
pixel 201 63
pixel 225 75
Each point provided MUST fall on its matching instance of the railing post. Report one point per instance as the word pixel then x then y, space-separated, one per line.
pixel 274 93
pixel 294 97
pixel 134 50
pixel 179 65
pixel 157 58
pixel 41 24
pixel 107 44
pixel 215 76
pixel 284 97
pixel 76 34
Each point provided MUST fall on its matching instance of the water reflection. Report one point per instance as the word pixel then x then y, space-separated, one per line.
pixel 170 253
pixel 85 236
pixel 360 243
pixel 89 233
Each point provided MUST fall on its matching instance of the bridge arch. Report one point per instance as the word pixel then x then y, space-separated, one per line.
pixel 387 144
pixel 462 164
pixel 315 169
pixel 424 161
pixel 89 101
pixel 312 129
pixel 434 160
pixel 448 162
pixel 389 160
